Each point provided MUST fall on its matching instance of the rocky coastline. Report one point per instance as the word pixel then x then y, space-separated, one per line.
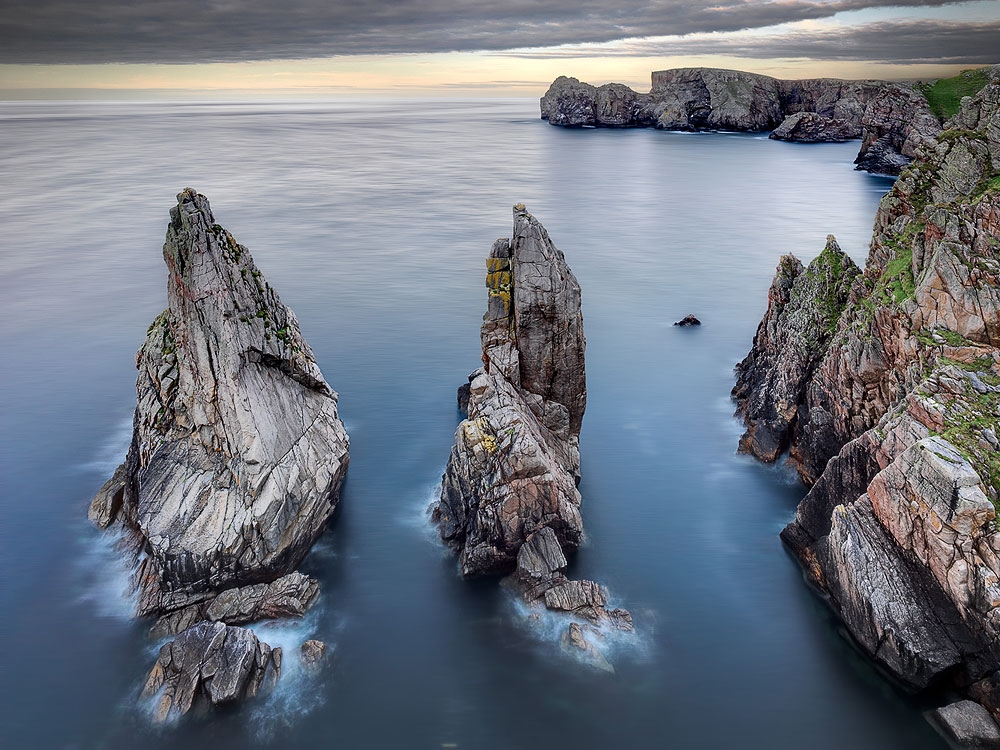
pixel 509 500
pixel 893 120
pixel 235 467
pixel 883 385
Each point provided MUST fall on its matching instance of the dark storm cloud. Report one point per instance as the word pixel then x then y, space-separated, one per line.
pixel 902 42
pixel 181 31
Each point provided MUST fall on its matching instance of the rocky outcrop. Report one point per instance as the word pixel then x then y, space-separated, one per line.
pixel 210 664
pixel 893 120
pixel 509 501
pixel 237 453
pixel 894 422
pixel 287 597
pixel 803 307
pixel 688 320
pixel 809 127
pixel 896 123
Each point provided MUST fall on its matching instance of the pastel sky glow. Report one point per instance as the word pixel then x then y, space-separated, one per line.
pixel 440 47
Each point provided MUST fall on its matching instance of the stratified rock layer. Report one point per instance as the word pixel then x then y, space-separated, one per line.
pixel 894 421
pixel 235 466
pixel 237 452
pixel 509 500
pixel 892 120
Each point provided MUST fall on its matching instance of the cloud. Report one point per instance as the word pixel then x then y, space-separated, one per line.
pixel 189 31
pixel 900 42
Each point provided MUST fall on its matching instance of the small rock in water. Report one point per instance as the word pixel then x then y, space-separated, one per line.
pixel 688 320
pixel 313 652
pixel 574 638
pixel 968 724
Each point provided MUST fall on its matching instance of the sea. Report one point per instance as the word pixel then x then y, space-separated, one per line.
pixel 372 219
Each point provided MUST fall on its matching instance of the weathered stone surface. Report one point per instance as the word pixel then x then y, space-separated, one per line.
pixel 574 640
pixel 897 122
pixel 809 127
pixel 804 305
pixel 896 425
pixel 516 458
pixel 238 453
pixel 313 652
pixel 107 502
pixel 570 103
pixel 883 600
pixel 967 724
pixel 509 500
pixel 213 664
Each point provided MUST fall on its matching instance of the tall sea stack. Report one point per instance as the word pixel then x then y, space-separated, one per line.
pixel 509 502
pixel 237 453
pixel 885 387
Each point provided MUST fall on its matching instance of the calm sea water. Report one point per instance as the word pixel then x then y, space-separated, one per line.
pixel 372 220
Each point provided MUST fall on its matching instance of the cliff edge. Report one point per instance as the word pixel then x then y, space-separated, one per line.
pixel 884 385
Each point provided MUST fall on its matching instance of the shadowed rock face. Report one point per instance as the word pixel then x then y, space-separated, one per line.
pixel 237 452
pixel 892 120
pixel 508 497
pixel 895 422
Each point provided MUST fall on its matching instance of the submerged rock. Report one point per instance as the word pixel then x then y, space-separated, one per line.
pixel 688 320
pixel 237 452
pixel 509 501
pixel 890 406
pixel 210 664
pixel 313 652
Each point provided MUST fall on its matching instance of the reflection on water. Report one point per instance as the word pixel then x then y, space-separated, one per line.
pixel 372 220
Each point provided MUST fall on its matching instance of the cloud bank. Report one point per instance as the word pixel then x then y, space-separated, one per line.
pixel 195 31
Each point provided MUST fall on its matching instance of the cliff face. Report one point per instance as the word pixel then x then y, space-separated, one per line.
pixel 237 455
pixel 895 428
pixel 892 120
pixel 509 502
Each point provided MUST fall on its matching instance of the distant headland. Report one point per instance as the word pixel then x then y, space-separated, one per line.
pixel 892 119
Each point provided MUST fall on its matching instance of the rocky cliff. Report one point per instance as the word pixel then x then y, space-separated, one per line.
pixel 891 119
pixel 885 387
pixel 509 502
pixel 237 453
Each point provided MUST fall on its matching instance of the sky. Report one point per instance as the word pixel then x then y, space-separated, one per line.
pixel 310 48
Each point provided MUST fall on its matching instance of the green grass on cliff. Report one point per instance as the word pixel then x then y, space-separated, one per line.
pixel 945 95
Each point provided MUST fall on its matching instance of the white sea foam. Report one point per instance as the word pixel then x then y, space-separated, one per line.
pixel 111 450
pixel 104 575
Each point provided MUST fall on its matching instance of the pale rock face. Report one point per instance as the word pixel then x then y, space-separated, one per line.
pixel 897 122
pixel 809 127
pixel 238 453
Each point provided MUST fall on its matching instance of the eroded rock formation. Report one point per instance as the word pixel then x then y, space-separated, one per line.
pixel 237 453
pixel 890 404
pixel 509 502
pixel 892 120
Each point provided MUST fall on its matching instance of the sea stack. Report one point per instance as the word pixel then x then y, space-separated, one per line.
pixel 237 453
pixel 885 387
pixel 509 501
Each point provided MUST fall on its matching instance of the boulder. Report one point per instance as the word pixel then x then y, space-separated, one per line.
pixel 313 652
pixel 967 724
pixel 210 664
pixel 688 320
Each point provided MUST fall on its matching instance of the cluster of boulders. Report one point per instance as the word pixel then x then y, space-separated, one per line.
pixel 892 119
pixel 235 466
pixel 884 386
pixel 509 499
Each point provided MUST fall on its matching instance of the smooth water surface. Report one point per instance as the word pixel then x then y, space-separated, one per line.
pixel 373 220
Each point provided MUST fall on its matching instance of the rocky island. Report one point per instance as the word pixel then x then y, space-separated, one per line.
pixel 893 120
pixel 235 467
pixel 883 384
pixel 509 500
